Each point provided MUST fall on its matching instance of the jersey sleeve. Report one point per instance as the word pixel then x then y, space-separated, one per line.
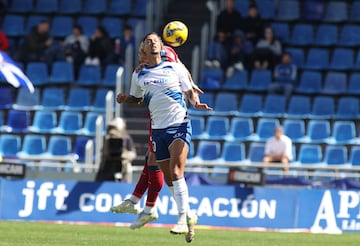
pixel 135 89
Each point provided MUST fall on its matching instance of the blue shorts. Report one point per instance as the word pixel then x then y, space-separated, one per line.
pixel 163 138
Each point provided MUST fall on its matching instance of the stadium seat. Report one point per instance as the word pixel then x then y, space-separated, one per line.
pixel 355 10
pixel 335 83
pixel 242 6
pixel 294 129
pixel 80 148
pixel 44 122
pixel 90 123
pixel 354 158
pixel 250 105
pixel 208 151
pixel 299 107
pixel 317 59
pixel 343 132
pixel 18 121
pixel 225 103
pixel 241 129
pixel 61 26
pixel 354 84
pixel 198 126
pixel 59 146
pixel 134 22
pixel 323 107
pixel 297 55
pixel 139 8
pixel 62 72
pixel 211 78
pixel 281 31
pixel 9 145
pixel 46 6
pixel 38 73
pixel 1 120
pixel 310 154
pixel 326 35
pixel 94 7
pixel 13 25
pixel 233 152
pixel 274 105
pixel 78 99
pixel 302 35
pixel 119 7
pixel 347 108
pixel 310 82
pixel 53 98
pixel 6 99
pixel 99 104
pixel 113 25
pixel 313 10
pixel 69 123
pixel 288 10
pixel 21 6
pixel 265 128
pixel 342 59
pixel 256 152
pixel 109 79
pixel 88 24
pixel 89 76
pixel 260 80
pixel 26 100
pixel 70 7
pixel 336 12
pixel 217 128
pixel 266 9
pixel 318 131
pixel 32 21
pixel 207 98
pixel 349 35
pixel 335 155
pixel 33 145
pixel 237 82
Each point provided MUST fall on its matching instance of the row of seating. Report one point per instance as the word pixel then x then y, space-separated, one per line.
pixel 310 10
pixel 46 122
pixel 217 152
pixel 275 105
pixel 55 98
pixel 298 130
pixel 74 7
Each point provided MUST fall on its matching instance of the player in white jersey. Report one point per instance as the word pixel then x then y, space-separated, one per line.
pixel 162 86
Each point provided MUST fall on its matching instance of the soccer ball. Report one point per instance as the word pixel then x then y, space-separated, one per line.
pixel 175 33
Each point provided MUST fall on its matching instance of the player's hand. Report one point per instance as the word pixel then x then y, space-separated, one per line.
pixel 202 106
pixel 121 98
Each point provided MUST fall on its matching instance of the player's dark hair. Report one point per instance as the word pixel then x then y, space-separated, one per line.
pixel 153 33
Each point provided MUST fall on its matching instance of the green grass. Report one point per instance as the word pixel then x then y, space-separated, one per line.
pixel 31 233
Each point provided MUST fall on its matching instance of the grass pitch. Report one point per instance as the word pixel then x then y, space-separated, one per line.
pixel 31 233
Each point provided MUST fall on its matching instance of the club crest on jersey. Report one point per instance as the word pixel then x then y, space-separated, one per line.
pixel 179 134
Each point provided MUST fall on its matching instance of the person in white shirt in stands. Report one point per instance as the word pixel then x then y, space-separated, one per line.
pixel 278 148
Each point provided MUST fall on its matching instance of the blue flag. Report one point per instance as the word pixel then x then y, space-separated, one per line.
pixel 13 74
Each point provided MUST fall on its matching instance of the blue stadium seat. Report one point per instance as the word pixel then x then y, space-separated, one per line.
pixel 347 108
pixel 323 107
pixel 225 103
pixel 113 25
pixel 281 31
pixel 265 128
pixel 13 25
pixel 32 20
pixel 355 10
pixel 299 107
pixel 298 56
pixel 233 152
pixel 354 84
pixel 198 126
pixel 90 123
pixel 44 122
pixel 343 132
pixel 9 145
pixel 33 145
pixel 294 129
pixel 335 155
pixel 94 7
pixel 134 22
pixel 1 120
pixel 70 7
pixel 109 79
pixel 354 158
pixel 342 59
pixel 89 75
pixel 208 150
pixel 260 80
pixel 80 148
pixel 207 98
pixel 21 6
pixel 274 105
pixel 266 9
pixel 310 154
pixel 336 12
pixel 88 24
pixel 139 8
pixel 53 98
pixel 62 72
pixel 78 99
pixel 59 146
pixel 242 6
pixel 26 100
pixel 61 26
pixel 99 104
pixel 250 105
pixel 310 82
pixel 302 34
pixel 217 127
pixel 256 152
pixel 237 82
pixel 313 10
pixel 38 73
pixel 241 129
pixel 6 99
pixel 211 78
pixel 349 35
pixel 18 121
pixel 46 6
pixel 335 83
pixel 318 131
pixel 119 7
pixel 69 123
pixel 288 10
pixel 317 58
pixel 216 51
pixel 327 35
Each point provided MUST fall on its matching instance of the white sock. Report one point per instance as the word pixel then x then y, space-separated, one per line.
pixel 181 196
pixel 148 209
pixel 134 199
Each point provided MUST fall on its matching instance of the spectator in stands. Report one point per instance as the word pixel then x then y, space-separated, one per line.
pixel 217 53
pixel 285 76
pixel 100 48
pixel 239 54
pixel 36 44
pixel 268 51
pixel 4 42
pixel 229 19
pixel 278 148
pixel 253 25
pixel 121 43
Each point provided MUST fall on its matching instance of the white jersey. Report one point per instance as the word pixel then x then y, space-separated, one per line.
pixel 162 88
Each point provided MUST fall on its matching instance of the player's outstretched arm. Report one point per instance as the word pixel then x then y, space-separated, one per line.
pixel 124 98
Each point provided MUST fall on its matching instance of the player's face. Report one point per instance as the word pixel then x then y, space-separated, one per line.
pixel 152 44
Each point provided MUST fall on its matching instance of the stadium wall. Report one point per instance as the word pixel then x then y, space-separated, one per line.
pixel 313 210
